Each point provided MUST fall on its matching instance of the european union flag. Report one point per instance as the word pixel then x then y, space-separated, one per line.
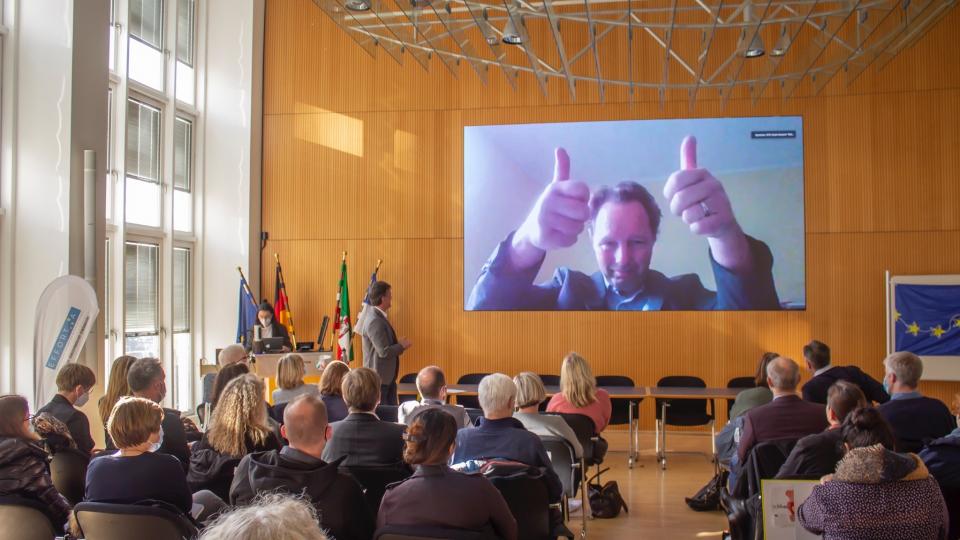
pixel 928 319
pixel 246 311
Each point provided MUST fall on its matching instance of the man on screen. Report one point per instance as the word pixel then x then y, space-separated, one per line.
pixel 623 223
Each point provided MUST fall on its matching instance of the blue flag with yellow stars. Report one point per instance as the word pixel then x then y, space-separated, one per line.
pixel 927 319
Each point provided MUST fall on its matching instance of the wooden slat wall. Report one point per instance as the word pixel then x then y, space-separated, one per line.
pixel 364 155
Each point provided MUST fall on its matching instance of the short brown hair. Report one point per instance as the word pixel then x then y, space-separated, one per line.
pixel 14 409
pixel 290 371
pixel 133 420
pixel 361 389
pixel 627 192
pixel 429 437
pixel 332 378
pixel 74 375
pixel 761 377
pixel 817 353
pixel 843 397
pixel 377 290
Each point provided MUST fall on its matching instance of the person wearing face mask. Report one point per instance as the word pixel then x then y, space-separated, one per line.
pixel 137 471
pixel 269 328
pixel 300 468
pixel 147 379
pixel 942 458
pixel 74 382
pixel 916 419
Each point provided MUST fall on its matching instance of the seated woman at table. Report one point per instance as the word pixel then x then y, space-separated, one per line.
pixel 290 372
pixel 330 391
pixel 579 393
pixel 530 393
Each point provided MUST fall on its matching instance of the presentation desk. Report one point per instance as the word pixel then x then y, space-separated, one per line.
pixel 636 393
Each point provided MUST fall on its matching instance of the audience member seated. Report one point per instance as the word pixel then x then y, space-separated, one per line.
pixel 726 441
pixel 942 458
pixel 916 420
pixel 579 393
pixel 223 378
pixel 271 516
pixel 137 472
pixel 530 393
pixel 74 382
pixel 299 468
pixel 816 455
pixel 116 388
pixel 23 463
pixel 437 496
pixel 362 438
pixel 787 416
pixel 432 387
pixel 501 436
pixel 147 379
pixel 330 393
pixel 229 355
pixel 238 427
pixel 817 357
pixel 876 493
pixel 290 372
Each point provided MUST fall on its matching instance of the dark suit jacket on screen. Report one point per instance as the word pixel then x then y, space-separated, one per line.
pixel 381 349
pixel 365 440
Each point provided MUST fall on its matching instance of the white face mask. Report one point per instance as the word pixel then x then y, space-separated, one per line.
pixel 156 446
pixel 266 321
pixel 82 399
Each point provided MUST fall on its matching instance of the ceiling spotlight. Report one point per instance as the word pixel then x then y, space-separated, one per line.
pixel 357 5
pixel 489 33
pixel 510 34
pixel 783 43
pixel 755 49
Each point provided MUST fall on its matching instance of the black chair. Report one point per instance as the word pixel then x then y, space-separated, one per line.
pixel 102 521
pixel 68 470
pixel 26 519
pixel 624 411
pixel 564 462
pixel 745 516
pixel 422 532
pixel 529 503
pixel 388 413
pixel 682 412
pixel 550 380
pixel 739 382
pixel 475 416
pixel 471 402
pixel 409 378
pixel 374 480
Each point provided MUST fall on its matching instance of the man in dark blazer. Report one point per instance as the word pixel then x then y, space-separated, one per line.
pixel 915 419
pixel 147 379
pixel 74 382
pixel 269 328
pixel 818 454
pixel 787 416
pixel 362 438
pixel 817 357
pixel 381 348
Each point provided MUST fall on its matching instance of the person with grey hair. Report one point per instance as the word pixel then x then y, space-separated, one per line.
pixel 916 419
pixel 147 379
pixel 272 515
pixel 787 416
pixel 231 354
pixel 502 436
pixel 432 387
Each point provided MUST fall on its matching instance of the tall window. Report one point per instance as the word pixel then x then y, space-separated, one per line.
pixel 145 43
pixel 143 164
pixel 182 317
pixel 141 299
pixel 182 173
pixel 186 76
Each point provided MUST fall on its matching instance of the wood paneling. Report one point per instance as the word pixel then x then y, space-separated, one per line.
pixel 365 156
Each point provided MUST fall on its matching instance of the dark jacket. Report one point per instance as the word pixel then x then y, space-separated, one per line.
pixel 942 458
pixel 917 420
pixel 506 438
pixel 336 408
pixel 876 494
pixel 365 440
pixel 784 417
pixel 278 330
pixel 114 479
pixel 337 497
pixel 437 496
pixel 24 473
pixel 814 455
pixel 210 469
pixel 500 287
pixel 76 421
pixel 816 388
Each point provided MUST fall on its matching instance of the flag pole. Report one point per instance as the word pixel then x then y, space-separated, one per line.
pixel 334 336
pixel 246 287
pixel 283 283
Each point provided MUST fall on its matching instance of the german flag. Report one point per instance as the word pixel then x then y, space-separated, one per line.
pixel 281 305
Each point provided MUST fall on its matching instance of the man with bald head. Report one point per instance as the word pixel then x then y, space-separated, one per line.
pixel 231 354
pixel 787 416
pixel 299 468
pixel 432 387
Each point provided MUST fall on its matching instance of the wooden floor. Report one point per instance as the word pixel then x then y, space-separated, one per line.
pixel 655 497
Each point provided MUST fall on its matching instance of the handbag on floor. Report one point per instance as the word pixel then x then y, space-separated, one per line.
pixel 708 498
pixel 605 501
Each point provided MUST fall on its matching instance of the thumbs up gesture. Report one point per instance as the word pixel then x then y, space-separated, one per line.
pixel 557 218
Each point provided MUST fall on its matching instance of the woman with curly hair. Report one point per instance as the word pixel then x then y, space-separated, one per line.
pixel 238 427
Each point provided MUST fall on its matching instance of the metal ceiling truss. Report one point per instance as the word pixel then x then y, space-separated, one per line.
pixel 803 44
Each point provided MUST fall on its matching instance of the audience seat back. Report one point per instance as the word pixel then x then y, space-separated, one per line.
pixel 620 410
pixel 471 402
pixel 101 521
pixel 684 412
pixel 388 413
pixel 409 378
pixel 583 427
pixel 24 519
pixel 529 503
pixel 374 480
pixel 421 532
pixel 564 462
pixel 68 470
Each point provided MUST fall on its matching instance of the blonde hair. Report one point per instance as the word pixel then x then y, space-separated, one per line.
pixel 117 386
pixel 530 390
pixel 577 382
pixel 361 389
pixel 270 515
pixel 290 371
pixel 133 420
pixel 332 378
pixel 240 414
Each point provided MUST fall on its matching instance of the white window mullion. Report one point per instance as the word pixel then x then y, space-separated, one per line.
pixel 168 116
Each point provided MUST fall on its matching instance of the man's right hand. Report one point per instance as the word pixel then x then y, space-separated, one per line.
pixel 406 343
pixel 557 218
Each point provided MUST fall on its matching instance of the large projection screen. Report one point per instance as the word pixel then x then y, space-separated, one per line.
pixel 561 216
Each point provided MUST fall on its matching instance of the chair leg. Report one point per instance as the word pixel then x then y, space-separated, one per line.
pixel 631 457
pixel 663 436
pixel 713 440
pixel 565 506
pixel 584 507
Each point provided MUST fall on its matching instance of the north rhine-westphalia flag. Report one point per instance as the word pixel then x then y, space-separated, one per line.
pixel 246 310
pixel 281 306
pixel 341 320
